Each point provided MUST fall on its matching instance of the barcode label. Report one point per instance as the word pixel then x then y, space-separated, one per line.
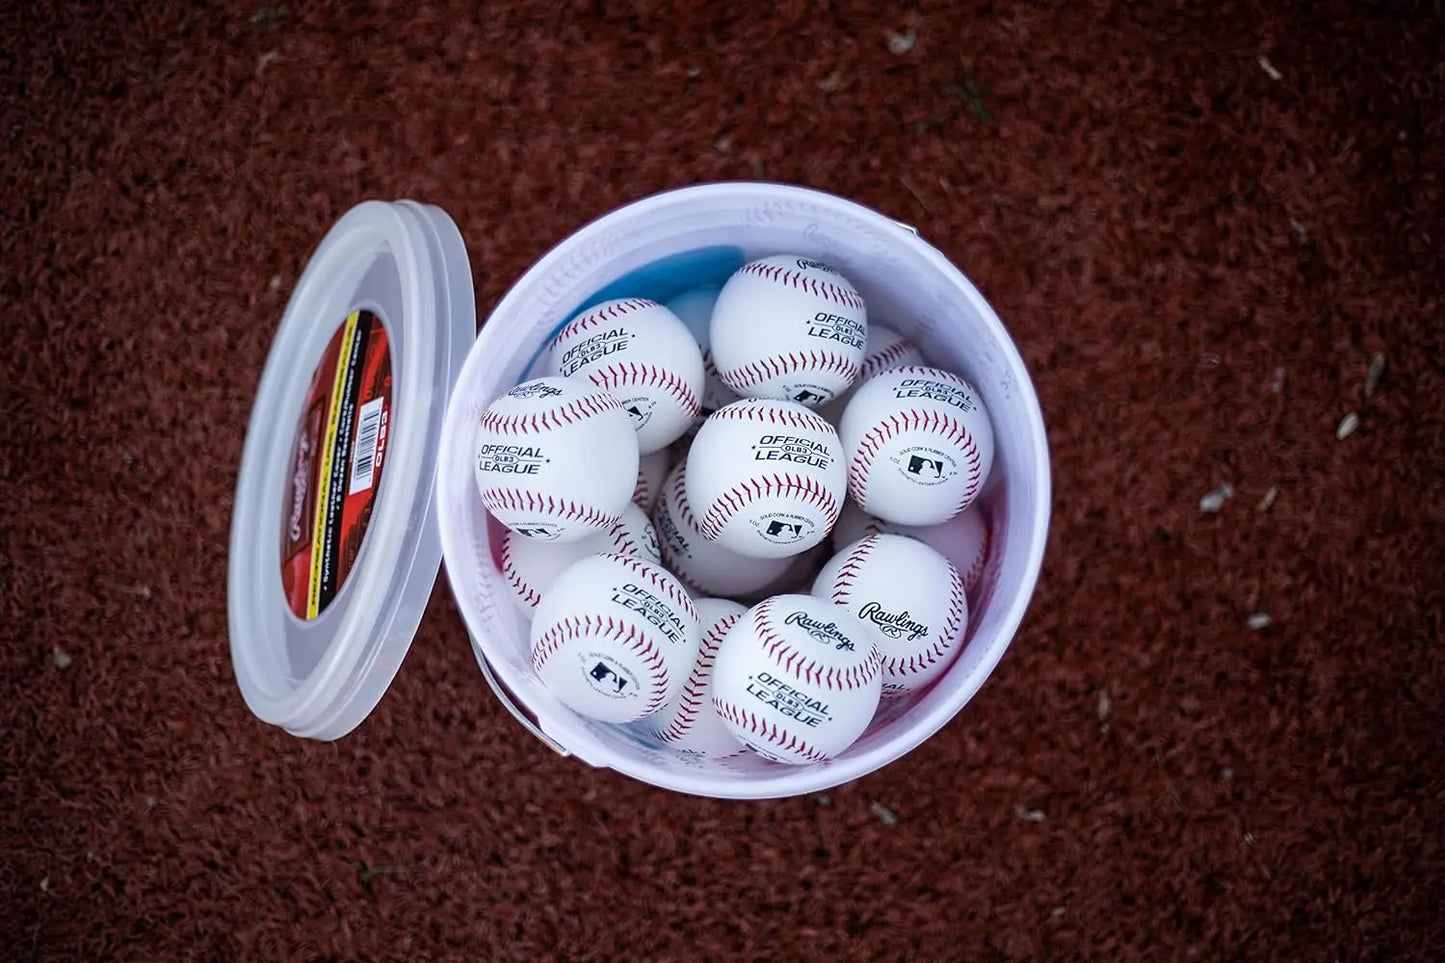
pixel 363 461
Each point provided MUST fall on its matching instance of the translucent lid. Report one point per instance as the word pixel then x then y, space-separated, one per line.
pixel 334 543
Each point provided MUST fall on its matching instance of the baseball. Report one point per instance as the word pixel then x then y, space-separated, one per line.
pixel 797 679
pixel 706 568
pixel 963 539
pixel 642 354
pixel 690 722
pixel 766 478
pixel 919 445
pixel 790 328
pixel 530 567
pixel 615 638
pixel 911 599
pixel 651 470
pixel 556 459
pixel 797 577
pixel 695 309
pixel 886 349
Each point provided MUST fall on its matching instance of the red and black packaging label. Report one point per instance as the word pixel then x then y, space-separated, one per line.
pixel 336 463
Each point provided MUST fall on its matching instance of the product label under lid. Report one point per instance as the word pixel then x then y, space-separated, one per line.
pixel 336 462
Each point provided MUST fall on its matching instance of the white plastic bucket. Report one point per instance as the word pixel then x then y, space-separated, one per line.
pixel 670 242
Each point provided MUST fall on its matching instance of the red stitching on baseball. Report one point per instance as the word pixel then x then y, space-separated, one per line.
pixel 879 362
pixel 622 539
pixel 595 626
pixel 658 580
pixel 767 731
pixel 937 374
pixel 694 691
pixel 608 312
pixel 976 568
pixel 792 660
pixel 803 489
pixel 825 289
pixel 945 426
pixel 517 500
pixel 527 422
pixel 709 368
pixel 773 413
pixel 631 373
pixel 953 621
pixel 641 490
pixel 852 565
pixel 529 594
pixel 792 363
pixel 679 492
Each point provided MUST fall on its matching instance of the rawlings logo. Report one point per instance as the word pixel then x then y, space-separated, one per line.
pixel 298 486
pixel 807 265
pixel 534 389
pixel 895 625
pixel 827 632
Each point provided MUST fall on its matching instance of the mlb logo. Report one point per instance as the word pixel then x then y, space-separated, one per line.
pixel 777 529
pixel 806 397
pixel 918 465
pixel 532 532
pixel 601 673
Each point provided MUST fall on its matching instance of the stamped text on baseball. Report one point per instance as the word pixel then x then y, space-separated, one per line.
pixel 593 348
pixel 637 599
pixel 835 327
pixel 511 459
pixel 822 631
pixel 936 390
pixel 777 694
pixel 802 451
pixel 895 625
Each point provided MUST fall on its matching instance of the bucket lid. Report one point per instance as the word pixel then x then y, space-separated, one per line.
pixel 334 544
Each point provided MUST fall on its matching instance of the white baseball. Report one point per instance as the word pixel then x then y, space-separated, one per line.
pixel 615 638
pixel 644 355
pixel 788 327
pixel 695 309
pixel 556 459
pixel 797 679
pixel 919 444
pixel 531 567
pixel 652 468
pixel 706 568
pixel 911 599
pixel 963 539
pixel 886 349
pixel 797 577
pixel 690 722
pixel 766 478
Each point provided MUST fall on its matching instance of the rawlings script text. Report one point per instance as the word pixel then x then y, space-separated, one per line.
pixel 827 632
pixel 895 625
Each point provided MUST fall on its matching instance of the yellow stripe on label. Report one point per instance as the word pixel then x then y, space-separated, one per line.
pixel 324 494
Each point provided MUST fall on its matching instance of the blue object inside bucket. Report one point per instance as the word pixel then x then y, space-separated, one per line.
pixel 661 281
